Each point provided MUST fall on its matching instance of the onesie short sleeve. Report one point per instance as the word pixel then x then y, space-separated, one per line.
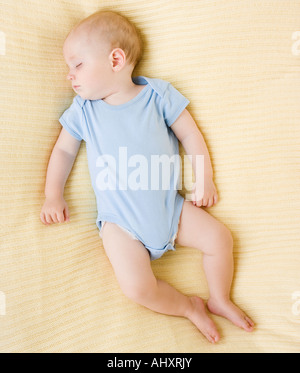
pixel 71 120
pixel 173 104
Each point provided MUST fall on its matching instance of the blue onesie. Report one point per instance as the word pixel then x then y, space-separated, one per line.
pixel 134 161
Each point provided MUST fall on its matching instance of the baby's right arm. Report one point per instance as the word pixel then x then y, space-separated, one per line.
pixel 55 209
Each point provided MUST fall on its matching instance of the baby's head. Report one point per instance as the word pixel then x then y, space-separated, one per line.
pixel 101 51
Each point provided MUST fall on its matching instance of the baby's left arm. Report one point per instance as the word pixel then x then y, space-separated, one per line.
pixel 188 134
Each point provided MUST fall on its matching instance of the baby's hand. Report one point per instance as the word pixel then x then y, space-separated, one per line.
pixel 54 210
pixel 207 197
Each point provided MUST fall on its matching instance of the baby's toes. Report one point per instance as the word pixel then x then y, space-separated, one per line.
pixel 249 323
pixel 245 323
pixel 212 334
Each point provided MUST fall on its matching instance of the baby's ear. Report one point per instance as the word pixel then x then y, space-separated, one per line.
pixel 117 58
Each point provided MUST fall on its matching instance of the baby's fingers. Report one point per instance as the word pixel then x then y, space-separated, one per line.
pixel 46 218
pixel 49 219
pixel 66 214
pixel 63 216
pixel 215 199
pixel 43 218
pixel 60 217
pixel 212 200
pixel 199 203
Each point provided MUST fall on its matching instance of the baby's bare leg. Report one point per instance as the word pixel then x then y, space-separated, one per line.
pixel 200 230
pixel 132 266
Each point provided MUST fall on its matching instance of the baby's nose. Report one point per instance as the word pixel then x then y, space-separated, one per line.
pixel 70 76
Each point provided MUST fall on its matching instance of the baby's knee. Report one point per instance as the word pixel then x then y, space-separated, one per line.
pixel 139 292
pixel 227 238
pixel 223 239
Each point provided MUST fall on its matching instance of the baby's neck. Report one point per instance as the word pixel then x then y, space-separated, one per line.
pixel 124 92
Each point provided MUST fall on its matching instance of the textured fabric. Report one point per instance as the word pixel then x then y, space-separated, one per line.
pixel 133 160
pixel 238 62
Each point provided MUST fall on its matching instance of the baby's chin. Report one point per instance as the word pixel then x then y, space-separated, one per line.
pixel 87 97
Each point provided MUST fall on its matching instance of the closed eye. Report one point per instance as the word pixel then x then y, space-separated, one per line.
pixel 77 66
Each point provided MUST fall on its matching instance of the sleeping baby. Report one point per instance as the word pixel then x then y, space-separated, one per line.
pixel 141 214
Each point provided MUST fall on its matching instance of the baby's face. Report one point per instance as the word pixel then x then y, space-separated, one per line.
pixel 90 70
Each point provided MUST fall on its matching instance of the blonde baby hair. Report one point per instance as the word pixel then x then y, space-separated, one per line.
pixel 118 31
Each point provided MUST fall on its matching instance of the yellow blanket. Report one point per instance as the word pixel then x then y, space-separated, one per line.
pixel 238 62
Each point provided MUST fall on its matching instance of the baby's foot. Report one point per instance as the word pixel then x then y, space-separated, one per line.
pixel 199 317
pixel 231 312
